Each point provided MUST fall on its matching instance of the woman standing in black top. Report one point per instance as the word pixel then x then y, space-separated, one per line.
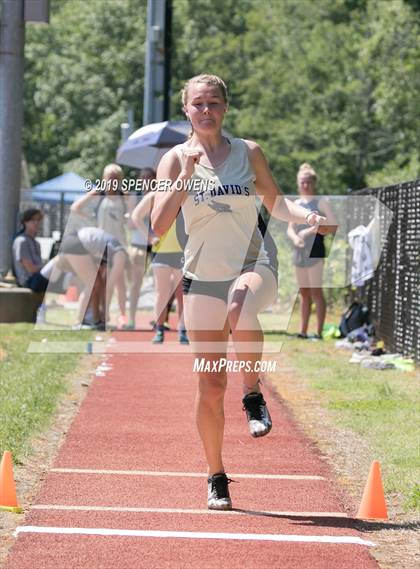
pixel 309 250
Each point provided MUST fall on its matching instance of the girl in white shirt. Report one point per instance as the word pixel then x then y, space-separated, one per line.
pixel 111 218
pixel 228 275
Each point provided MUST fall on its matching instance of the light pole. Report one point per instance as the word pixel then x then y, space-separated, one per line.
pixel 14 13
pixel 157 72
pixel 12 38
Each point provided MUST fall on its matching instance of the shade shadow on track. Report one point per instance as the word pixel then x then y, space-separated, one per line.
pixel 371 526
pixel 329 521
pixel 349 523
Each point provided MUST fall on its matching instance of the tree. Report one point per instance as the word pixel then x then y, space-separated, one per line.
pixel 331 82
pixel 311 81
pixel 82 73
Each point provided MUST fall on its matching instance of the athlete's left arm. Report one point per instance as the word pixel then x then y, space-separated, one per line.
pixel 278 206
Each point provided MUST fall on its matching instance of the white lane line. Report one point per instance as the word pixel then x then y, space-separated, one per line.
pixel 194 535
pixel 183 474
pixel 187 511
pixel 139 347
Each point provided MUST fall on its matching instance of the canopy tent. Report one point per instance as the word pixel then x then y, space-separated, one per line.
pixel 65 188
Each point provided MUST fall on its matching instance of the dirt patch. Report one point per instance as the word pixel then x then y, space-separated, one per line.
pixel 3 354
pixel 397 541
pixel 33 470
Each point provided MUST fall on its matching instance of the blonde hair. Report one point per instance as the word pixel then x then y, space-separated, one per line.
pixel 112 170
pixel 306 169
pixel 208 80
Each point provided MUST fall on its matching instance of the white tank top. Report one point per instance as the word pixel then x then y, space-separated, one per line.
pixel 111 217
pixel 221 219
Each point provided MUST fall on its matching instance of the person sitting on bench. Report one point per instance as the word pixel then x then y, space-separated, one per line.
pixel 26 252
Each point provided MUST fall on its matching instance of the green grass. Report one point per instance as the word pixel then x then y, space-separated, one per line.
pixel 381 406
pixel 30 384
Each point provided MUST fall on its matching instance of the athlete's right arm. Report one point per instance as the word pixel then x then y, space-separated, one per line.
pixel 167 203
pixel 79 205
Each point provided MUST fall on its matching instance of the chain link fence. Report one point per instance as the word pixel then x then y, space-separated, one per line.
pixel 393 294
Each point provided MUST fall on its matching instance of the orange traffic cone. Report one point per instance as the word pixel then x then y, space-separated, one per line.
pixel 71 294
pixel 8 499
pixel 372 506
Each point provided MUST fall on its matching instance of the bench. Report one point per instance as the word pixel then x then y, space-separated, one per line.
pixel 19 304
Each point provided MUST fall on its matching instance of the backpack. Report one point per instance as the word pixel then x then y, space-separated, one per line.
pixel 355 316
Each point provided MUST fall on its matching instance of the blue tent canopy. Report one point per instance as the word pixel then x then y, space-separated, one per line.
pixel 70 185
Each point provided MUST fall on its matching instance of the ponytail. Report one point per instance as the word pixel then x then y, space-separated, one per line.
pixel 307 169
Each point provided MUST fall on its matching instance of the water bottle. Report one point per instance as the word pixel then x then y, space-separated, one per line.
pixel 40 315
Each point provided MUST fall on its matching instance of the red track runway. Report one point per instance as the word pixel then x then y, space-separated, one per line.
pixel 128 488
